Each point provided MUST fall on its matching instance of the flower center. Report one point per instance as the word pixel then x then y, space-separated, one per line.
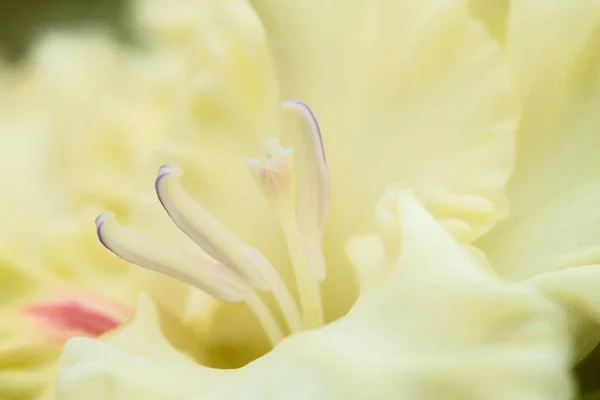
pixel 229 269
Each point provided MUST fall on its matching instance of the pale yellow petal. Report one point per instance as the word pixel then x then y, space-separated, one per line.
pixel 441 313
pixel 413 92
pixel 145 325
pixel 136 362
pixel 25 361
pixel 116 375
pixel 493 14
pixel 438 327
pixel 367 254
pixel 554 230
pixel 577 290
pixel 554 193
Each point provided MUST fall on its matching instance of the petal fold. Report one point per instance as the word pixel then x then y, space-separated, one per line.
pixel 554 192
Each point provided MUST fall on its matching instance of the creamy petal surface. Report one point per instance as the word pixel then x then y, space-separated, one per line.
pixel 416 79
pixel 409 92
pixel 437 326
pixel 552 235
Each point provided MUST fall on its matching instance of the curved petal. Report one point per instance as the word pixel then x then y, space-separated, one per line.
pixel 554 193
pixel 553 226
pixel 576 289
pixel 493 14
pixel 137 362
pixel 411 92
pixel 438 327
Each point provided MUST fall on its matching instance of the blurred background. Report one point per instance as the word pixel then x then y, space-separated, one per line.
pixel 23 20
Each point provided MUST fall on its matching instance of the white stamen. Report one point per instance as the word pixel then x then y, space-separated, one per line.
pixel 220 243
pixel 312 181
pixel 199 271
pixel 276 179
pixel 202 272
pixel 205 230
pixel 275 175
pixel 231 270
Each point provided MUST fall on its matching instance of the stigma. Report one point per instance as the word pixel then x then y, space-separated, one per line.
pixel 295 182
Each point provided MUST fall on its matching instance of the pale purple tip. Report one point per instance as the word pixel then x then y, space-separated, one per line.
pixel 314 123
pixel 165 170
pixel 100 219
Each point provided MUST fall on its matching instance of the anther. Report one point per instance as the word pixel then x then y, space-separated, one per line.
pixel 212 236
pixel 208 232
pixel 312 181
pixel 199 271
pixel 202 272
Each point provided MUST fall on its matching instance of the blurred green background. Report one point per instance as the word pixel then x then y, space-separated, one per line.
pixel 22 20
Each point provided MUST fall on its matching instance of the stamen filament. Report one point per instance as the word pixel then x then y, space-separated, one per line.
pixel 284 300
pixel 228 268
pixel 218 241
pixel 203 273
pixel 265 317
pixel 307 283
pixel 312 180
pixel 208 232
pixel 276 179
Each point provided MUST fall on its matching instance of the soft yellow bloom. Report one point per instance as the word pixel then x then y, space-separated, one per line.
pixel 412 93
pixel 418 96
pixel 426 118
